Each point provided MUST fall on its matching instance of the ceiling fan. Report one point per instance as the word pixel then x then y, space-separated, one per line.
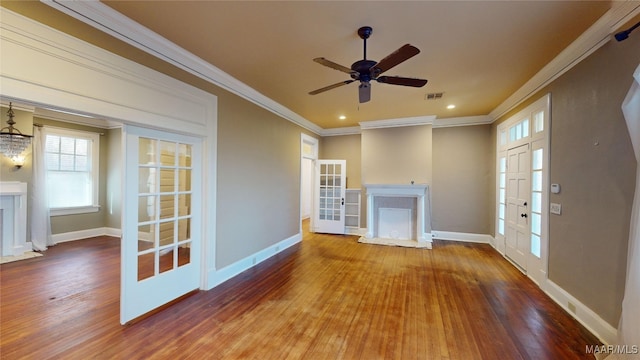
pixel 366 70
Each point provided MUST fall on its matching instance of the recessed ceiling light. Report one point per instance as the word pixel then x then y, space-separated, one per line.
pixel 451 106
pixel 342 117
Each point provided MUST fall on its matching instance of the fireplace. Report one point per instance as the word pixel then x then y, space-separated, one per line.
pixel 398 214
pixel 13 218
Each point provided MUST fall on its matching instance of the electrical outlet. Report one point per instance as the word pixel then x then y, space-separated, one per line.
pixel 555 208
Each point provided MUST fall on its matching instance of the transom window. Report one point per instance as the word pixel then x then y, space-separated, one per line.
pixel 519 130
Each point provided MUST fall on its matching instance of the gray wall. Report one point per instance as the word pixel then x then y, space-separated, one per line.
pixel 462 175
pixel 397 155
pixel 258 179
pixel 345 147
pixel 592 159
pixel 459 161
pixel 113 210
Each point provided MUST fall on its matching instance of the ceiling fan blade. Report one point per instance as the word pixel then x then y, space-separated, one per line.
pixel 397 80
pixel 331 64
pixel 314 92
pixel 364 92
pixel 404 53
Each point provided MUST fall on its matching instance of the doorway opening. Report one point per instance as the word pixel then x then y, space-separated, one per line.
pixel 308 157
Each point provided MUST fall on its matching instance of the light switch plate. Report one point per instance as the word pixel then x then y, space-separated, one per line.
pixel 556 208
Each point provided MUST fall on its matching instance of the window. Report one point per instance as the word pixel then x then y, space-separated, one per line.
pixel 536 201
pixel 519 130
pixel 502 188
pixel 71 160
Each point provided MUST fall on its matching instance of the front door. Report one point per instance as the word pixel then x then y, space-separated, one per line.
pixel 161 221
pixel 329 195
pixel 518 192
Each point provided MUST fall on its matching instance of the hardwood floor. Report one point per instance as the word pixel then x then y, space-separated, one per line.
pixel 326 298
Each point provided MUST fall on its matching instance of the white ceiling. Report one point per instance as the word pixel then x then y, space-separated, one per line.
pixel 477 53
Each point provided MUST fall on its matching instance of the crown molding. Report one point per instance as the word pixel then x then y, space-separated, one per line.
pixel 463 121
pixel 80 119
pixel 591 40
pixel 352 130
pixel 388 123
pixel 104 18
pixel 112 22
pixel 413 121
pixel 4 102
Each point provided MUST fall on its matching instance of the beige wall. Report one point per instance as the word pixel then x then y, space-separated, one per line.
pixel 397 155
pixel 592 160
pixel 457 161
pixel 258 179
pixel 258 193
pixel 346 147
pixel 113 211
pixel 462 169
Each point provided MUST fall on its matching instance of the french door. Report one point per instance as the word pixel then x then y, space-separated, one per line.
pixel 518 194
pixel 161 219
pixel 329 196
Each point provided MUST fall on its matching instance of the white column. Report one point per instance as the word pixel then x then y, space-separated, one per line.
pixel 369 234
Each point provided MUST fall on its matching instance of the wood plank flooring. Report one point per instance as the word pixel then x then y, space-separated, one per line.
pixel 326 298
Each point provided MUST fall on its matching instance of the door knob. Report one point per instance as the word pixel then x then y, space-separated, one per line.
pixel 342 201
pixel 523 215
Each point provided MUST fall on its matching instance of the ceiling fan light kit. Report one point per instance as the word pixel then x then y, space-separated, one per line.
pixel 367 70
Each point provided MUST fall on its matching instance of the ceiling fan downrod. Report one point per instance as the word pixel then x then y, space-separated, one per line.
pixel 364 33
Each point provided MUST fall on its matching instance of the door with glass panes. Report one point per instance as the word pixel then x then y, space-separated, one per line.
pixel 329 195
pixel 161 221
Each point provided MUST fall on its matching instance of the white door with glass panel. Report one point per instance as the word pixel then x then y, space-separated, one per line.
pixel 518 192
pixel 329 195
pixel 161 219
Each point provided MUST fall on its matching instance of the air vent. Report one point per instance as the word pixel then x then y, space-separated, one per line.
pixel 433 96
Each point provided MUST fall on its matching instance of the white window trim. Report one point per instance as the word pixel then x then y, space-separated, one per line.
pixel 95 170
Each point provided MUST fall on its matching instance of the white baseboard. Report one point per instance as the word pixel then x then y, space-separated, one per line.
pixel 459 236
pixel 83 234
pixel 218 276
pixel 585 316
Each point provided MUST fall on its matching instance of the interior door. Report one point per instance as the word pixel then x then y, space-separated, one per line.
pixel 329 195
pixel 161 219
pixel 518 193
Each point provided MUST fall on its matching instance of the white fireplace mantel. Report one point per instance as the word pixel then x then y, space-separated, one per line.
pixel 13 217
pixel 402 190
pixel 418 191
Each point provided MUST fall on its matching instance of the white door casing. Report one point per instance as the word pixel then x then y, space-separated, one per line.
pixel 330 186
pixel 524 240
